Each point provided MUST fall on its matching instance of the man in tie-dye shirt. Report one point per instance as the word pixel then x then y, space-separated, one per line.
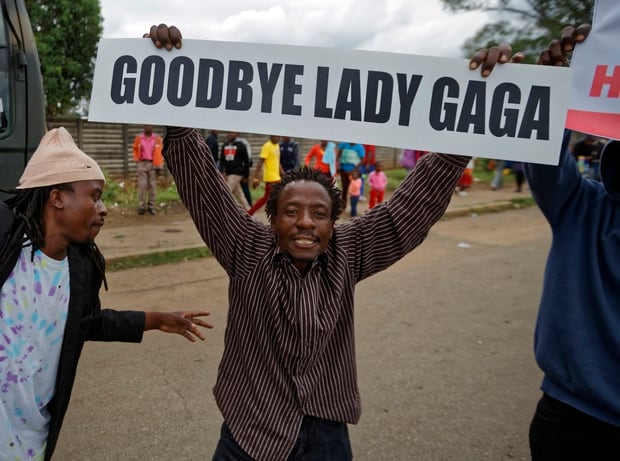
pixel 50 275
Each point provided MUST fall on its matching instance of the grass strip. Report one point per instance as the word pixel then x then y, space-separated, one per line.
pixel 156 259
pixel 523 202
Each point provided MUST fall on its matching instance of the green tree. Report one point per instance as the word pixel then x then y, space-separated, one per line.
pixel 66 32
pixel 528 25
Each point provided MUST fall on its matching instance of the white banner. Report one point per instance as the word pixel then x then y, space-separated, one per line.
pixel 595 97
pixel 386 99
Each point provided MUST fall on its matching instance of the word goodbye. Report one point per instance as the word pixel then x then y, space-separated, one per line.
pixel 213 84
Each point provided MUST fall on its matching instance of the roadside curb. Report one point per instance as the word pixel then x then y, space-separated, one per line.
pixel 143 253
pixel 493 207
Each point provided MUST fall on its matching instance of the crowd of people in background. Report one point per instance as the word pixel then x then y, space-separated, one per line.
pixel 351 165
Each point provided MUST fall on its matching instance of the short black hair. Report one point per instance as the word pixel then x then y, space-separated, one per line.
pixel 304 173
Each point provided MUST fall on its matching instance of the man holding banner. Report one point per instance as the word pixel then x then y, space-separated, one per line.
pixel 577 340
pixel 287 382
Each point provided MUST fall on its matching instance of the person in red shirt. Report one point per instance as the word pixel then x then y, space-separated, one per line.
pixel 378 182
pixel 316 153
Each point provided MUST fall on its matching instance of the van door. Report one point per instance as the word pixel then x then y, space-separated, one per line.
pixel 22 102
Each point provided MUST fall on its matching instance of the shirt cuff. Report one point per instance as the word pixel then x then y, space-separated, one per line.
pixel 458 160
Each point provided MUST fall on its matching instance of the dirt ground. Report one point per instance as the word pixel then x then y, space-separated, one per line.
pixel 118 217
pixel 443 340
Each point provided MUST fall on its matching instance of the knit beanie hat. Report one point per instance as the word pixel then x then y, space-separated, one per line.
pixel 58 160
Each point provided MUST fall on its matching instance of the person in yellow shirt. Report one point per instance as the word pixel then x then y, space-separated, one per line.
pixel 272 172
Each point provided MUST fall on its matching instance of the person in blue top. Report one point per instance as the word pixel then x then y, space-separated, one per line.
pixel 577 338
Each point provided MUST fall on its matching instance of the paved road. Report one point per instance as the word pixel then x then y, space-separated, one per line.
pixel 444 354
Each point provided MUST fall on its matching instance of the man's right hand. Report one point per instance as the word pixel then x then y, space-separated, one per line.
pixel 164 36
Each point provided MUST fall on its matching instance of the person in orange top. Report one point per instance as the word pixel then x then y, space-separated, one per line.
pixel 147 148
pixel 316 152
pixel 355 189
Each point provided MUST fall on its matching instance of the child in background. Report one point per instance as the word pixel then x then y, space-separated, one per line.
pixel 355 188
pixel 466 179
pixel 367 165
pixel 378 182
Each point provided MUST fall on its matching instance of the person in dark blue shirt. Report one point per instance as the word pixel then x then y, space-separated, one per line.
pixel 289 154
pixel 211 141
pixel 577 338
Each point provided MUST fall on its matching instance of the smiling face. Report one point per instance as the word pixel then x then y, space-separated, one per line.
pixel 302 223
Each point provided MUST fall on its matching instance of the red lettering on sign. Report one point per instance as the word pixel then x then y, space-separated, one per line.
pixel 601 79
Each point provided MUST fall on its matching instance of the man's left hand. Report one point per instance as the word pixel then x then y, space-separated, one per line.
pixel 164 36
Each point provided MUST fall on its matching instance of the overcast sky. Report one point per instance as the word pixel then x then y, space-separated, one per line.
pixel 403 26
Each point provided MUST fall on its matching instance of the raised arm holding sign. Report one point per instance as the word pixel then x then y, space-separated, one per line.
pixel 288 369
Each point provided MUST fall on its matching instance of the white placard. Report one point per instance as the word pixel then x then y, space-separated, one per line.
pixel 386 99
pixel 595 97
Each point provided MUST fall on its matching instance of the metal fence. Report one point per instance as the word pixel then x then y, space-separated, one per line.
pixel 110 144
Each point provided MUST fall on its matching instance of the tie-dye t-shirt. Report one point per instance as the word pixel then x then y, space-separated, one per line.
pixel 33 311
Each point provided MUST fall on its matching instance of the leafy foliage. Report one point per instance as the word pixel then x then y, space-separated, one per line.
pixel 66 32
pixel 528 25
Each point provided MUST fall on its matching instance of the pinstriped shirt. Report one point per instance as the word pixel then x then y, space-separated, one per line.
pixel 289 342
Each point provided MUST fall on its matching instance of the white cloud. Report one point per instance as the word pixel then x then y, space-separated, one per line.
pixel 401 26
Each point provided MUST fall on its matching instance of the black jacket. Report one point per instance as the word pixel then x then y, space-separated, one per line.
pixel 85 321
pixel 234 158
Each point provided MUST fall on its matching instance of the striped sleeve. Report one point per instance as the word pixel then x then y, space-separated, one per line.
pixel 231 234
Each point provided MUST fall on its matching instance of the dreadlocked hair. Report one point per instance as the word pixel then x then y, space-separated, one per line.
pixel 27 207
pixel 304 173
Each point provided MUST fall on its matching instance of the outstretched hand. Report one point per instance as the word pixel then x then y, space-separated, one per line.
pixel 554 55
pixel 164 36
pixel 183 323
